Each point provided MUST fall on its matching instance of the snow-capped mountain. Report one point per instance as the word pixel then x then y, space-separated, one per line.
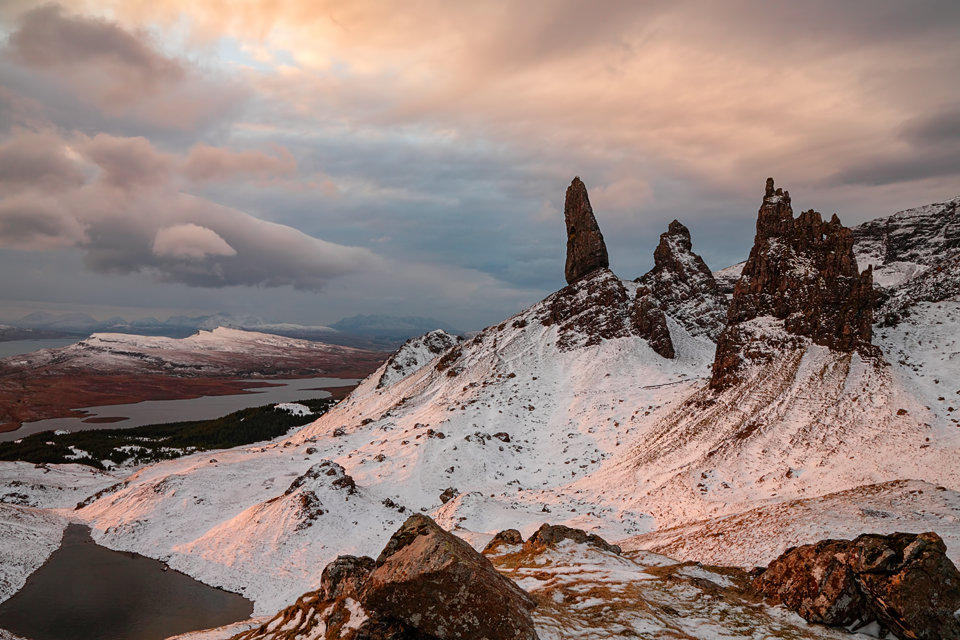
pixel 607 407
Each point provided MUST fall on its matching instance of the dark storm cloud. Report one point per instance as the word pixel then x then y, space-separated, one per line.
pixel 927 146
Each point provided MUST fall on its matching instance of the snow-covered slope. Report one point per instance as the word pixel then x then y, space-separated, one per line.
pixel 219 352
pixel 903 245
pixel 757 536
pixel 506 418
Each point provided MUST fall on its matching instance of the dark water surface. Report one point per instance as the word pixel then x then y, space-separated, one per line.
pixel 202 408
pixel 88 592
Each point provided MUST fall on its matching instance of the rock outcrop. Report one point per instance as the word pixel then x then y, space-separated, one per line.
pixel 415 353
pixel 683 285
pixel 427 584
pixel 903 582
pixel 586 251
pixel 510 537
pixel 439 584
pixel 550 534
pixel 801 272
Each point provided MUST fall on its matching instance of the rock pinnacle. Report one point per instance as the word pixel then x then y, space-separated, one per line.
pixel 586 251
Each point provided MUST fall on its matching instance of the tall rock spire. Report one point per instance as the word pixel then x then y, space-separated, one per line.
pixel 586 251
pixel 801 271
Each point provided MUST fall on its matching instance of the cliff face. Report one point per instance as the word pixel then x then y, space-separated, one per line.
pixel 684 286
pixel 586 251
pixel 803 272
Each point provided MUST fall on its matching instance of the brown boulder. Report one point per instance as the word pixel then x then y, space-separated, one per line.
pixel 344 577
pixel 507 536
pixel 904 582
pixel 439 584
pixel 586 251
pixel 550 534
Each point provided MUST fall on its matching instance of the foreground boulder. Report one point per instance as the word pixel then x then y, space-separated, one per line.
pixel 426 585
pixel 550 534
pixel 904 582
pixel 437 583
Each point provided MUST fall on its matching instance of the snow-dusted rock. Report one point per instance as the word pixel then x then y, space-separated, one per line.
pixel 416 353
pixel 684 286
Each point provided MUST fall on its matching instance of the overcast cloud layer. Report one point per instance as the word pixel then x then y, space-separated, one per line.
pixel 307 160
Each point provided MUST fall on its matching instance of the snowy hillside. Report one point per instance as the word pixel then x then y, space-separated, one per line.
pixel 221 351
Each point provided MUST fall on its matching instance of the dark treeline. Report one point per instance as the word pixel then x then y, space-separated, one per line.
pixel 155 442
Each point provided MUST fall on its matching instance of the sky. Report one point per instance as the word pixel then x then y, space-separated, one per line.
pixel 309 160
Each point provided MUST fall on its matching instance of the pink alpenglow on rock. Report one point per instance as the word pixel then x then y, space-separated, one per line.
pixel 439 584
pixel 904 582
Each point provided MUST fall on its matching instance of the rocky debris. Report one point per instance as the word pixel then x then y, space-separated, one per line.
pixel 324 473
pixel 439 584
pixel 684 286
pixel 904 244
pixel 550 534
pixel 449 494
pixel 904 582
pixel 507 536
pixel 648 321
pixel 414 354
pixel 803 272
pixel 586 251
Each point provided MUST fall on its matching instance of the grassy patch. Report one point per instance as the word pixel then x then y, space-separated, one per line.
pixel 155 442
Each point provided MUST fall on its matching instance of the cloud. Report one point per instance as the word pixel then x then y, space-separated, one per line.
pixel 38 224
pixel 38 160
pixel 127 163
pixel 132 218
pixel 211 164
pixel 190 241
pixel 121 72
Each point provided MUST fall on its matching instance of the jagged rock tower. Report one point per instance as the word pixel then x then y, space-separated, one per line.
pixel 803 272
pixel 586 251
pixel 683 285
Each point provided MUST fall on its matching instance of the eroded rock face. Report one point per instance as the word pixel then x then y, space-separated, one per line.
pixel 648 321
pixel 905 582
pixel 548 535
pixel 586 251
pixel 439 584
pixel 801 271
pixel 684 286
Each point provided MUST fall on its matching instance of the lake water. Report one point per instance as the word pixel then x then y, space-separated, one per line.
pixel 88 592
pixel 20 347
pixel 203 408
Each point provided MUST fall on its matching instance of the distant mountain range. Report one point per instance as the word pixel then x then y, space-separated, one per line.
pixel 371 332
